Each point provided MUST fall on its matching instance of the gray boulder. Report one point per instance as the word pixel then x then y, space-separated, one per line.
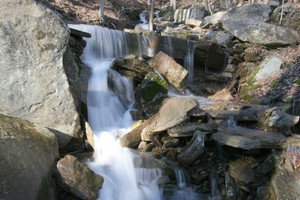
pixel 181 15
pixel 170 69
pixel 173 112
pixel 219 37
pixel 284 183
pixel 248 23
pixel 150 93
pixel 27 154
pixel 76 178
pixel 248 139
pixel 241 172
pixel 213 19
pixel 33 83
pixel 193 150
pixel 270 66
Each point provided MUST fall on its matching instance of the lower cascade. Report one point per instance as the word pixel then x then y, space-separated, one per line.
pixel 109 117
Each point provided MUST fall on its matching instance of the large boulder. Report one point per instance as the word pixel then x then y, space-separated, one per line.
pixel 150 93
pixel 210 57
pixel 248 139
pixel 248 23
pixel 170 69
pixel 193 150
pixel 33 83
pixel 181 15
pixel 284 183
pixel 77 179
pixel 270 66
pixel 27 154
pixel 133 68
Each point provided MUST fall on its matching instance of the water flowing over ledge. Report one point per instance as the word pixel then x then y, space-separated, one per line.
pixel 109 116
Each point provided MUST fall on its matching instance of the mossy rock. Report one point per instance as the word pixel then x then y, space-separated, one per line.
pixel 251 57
pixel 150 94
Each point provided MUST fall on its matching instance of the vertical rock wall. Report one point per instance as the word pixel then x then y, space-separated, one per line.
pixel 33 83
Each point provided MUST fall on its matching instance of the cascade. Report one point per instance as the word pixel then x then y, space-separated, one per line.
pixel 184 192
pixel 109 116
pixel 143 21
pixel 109 100
pixel 143 17
pixel 169 42
pixel 189 61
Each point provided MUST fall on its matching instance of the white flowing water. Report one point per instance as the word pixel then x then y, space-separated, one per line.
pixel 189 62
pixel 184 192
pixel 143 21
pixel 109 116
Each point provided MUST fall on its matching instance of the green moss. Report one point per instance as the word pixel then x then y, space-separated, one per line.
pixel 244 93
pixel 250 56
pixel 152 85
pixel 152 76
pixel 297 81
pixel 288 65
pixel 250 79
pixel 274 84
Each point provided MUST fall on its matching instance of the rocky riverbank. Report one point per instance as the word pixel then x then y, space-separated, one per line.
pixel 237 138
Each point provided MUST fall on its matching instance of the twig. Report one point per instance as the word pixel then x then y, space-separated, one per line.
pixel 281 14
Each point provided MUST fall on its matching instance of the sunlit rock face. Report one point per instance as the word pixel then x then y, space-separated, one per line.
pixel 33 83
pixel 254 28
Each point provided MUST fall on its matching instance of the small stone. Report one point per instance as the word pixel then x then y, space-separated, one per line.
pixel 241 172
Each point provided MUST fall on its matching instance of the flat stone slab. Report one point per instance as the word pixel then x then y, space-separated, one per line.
pixel 248 139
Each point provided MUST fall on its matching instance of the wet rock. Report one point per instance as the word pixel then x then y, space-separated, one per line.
pixel 172 71
pixel 188 129
pixel 27 154
pixel 241 172
pixel 193 150
pixel 145 146
pixel 76 178
pixel 134 69
pixel 173 111
pixel 89 135
pixel 133 138
pixel 150 93
pixel 146 160
pixel 264 193
pixel 33 80
pixel 170 142
pixel 210 57
pixel 268 164
pixel 247 139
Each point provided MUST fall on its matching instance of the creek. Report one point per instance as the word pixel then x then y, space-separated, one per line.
pixel 109 104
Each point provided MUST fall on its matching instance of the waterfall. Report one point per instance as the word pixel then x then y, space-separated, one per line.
pixel 109 116
pixel 184 192
pixel 189 62
pixel 143 21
